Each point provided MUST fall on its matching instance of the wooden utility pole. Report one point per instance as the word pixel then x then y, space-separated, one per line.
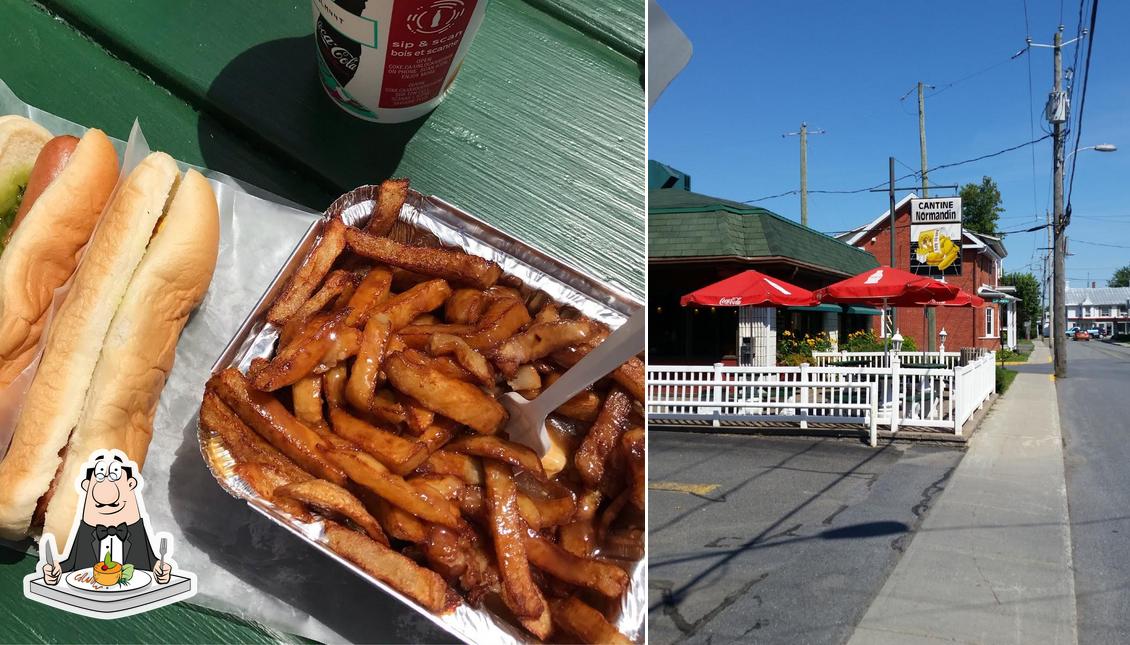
pixel 922 137
pixel 931 317
pixel 894 232
pixel 803 134
pixel 1057 115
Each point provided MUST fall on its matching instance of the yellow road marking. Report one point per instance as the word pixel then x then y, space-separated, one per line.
pixel 694 489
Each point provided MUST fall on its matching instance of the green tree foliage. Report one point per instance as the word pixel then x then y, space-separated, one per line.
pixel 1121 277
pixel 981 206
pixel 1029 309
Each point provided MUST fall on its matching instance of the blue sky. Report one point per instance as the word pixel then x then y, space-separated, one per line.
pixel 759 69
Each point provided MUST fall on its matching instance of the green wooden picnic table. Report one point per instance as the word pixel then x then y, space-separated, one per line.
pixel 542 135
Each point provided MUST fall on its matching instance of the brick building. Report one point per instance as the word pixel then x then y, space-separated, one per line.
pixel 990 327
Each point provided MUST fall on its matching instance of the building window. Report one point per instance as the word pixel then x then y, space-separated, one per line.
pixel 990 329
pixel 1105 312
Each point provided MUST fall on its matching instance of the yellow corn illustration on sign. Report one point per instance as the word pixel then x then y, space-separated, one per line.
pixel 936 249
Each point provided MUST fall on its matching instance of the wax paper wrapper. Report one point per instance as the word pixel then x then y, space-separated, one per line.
pixel 244 562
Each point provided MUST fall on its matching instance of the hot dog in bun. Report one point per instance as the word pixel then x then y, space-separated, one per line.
pixel 48 208
pixel 112 342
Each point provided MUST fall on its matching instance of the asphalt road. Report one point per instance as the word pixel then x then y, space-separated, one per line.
pixel 1094 412
pixel 778 540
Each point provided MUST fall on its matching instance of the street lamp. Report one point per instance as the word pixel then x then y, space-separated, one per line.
pixel 1102 147
pixel 1059 241
pixel 896 342
pixel 942 340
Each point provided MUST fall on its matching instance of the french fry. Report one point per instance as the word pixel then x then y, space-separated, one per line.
pixel 418 417
pixel 266 479
pixel 372 292
pixel 399 523
pixel 445 551
pixel 385 407
pixel 366 471
pixel 437 434
pixel 267 416
pixel 602 577
pixel 422 585
pixel 541 339
pixel 390 199
pixel 449 486
pixel 501 320
pixel 465 306
pixel 448 366
pixel 629 376
pixel 632 444
pixel 398 454
pixel 584 622
pixel 445 462
pixel 336 283
pixel 441 344
pixel 314 268
pixel 418 336
pixel 584 406
pixel 402 308
pixel 444 395
pixel 520 593
pixel 244 444
pixel 602 437
pixel 326 497
pixel 365 378
pixel 455 266
pixel 492 447
pixel 623 544
pixel 333 386
pixel 301 356
pixel 346 343
pixel 307 396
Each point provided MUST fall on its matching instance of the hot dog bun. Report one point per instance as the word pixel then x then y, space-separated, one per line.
pixel 20 142
pixel 54 402
pixel 44 249
pixel 141 343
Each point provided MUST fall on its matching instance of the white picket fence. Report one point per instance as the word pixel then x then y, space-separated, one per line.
pixel 894 395
pixel 883 359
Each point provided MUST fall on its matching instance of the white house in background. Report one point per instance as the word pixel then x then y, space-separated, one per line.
pixel 1107 308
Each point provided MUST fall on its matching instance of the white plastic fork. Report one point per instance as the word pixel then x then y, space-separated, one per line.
pixel 527 418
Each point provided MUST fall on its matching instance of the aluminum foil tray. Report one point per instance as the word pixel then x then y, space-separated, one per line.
pixel 430 221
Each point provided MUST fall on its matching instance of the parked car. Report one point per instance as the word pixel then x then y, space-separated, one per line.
pixel 1095 332
pixel 1081 334
pixel 1071 331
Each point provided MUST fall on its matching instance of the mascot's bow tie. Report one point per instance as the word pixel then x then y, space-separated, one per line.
pixel 120 531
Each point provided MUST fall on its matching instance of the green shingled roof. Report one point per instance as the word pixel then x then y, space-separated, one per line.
pixel 682 224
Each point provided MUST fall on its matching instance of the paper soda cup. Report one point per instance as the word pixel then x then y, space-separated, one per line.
pixel 392 60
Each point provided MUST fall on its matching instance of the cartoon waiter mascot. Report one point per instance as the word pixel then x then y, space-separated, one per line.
pixel 109 541
pixel 111 523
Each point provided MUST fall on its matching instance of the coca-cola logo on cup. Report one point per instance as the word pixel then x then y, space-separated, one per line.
pixel 436 17
pixel 730 302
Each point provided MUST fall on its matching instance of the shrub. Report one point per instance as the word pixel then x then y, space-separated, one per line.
pixel 789 346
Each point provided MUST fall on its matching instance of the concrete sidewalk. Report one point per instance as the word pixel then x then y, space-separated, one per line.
pixel 992 561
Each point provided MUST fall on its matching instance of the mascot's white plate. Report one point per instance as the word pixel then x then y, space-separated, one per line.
pixel 83 580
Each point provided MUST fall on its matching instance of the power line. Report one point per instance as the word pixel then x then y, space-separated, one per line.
pixel 1083 98
pixel 1113 246
pixel 1031 111
pixel 898 179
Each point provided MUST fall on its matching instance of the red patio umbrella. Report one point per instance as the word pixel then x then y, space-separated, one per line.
pixel 962 299
pixel 888 287
pixel 750 288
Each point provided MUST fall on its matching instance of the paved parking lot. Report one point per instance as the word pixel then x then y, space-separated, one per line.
pixel 778 540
